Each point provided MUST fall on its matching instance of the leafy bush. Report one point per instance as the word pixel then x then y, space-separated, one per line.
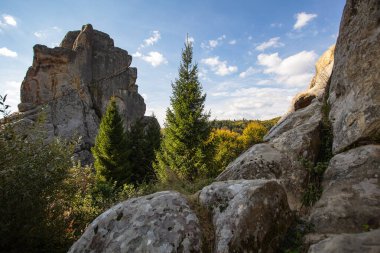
pixel 32 174
pixel 227 146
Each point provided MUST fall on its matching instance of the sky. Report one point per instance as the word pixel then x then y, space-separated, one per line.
pixel 253 56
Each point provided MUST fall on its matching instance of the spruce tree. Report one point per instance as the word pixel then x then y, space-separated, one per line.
pixel 143 139
pixel 111 150
pixel 182 151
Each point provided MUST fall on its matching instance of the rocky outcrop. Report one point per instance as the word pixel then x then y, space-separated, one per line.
pixel 355 85
pixel 305 108
pixel 349 243
pixel 295 137
pixel 248 215
pixel 351 193
pixel 159 223
pixel 263 161
pixel 70 85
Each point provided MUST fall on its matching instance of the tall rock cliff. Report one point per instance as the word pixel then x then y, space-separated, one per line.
pixel 335 123
pixel 70 86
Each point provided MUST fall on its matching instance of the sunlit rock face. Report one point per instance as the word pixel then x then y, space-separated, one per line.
pixel 355 83
pixel 70 86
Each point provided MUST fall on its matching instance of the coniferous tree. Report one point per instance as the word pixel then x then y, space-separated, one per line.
pixel 111 150
pixel 182 149
pixel 143 139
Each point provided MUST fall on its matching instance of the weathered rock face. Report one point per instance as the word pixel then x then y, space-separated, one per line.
pixel 355 85
pixel 349 243
pixel 248 215
pixel 157 223
pixel 306 106
pixel 74 82
pixel 351 196
pixel 263 161
pixel 296 136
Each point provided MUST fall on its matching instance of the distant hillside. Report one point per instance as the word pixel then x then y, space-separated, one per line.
pixel 239 125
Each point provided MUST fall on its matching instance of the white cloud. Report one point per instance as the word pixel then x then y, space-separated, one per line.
pixel 250 71
pixel 232 42
pixel 49 33
pixel 293 71
pixel 264 81
pixel 276 25
pixel 273 42
pixel 7 52
pixel 220 68
pixel 39 34
pixel 152 39
pixel 211 44
pixel 251 103
pixel 9 20
pixel 191 39
pixel 303 19
pixel 154 58
pixel 12 90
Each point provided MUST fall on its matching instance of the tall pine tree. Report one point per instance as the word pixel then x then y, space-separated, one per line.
pixel 111 150
pixel 182 151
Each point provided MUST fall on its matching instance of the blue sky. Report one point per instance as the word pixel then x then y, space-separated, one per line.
pixel 253 56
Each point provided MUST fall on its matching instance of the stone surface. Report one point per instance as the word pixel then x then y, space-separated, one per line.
pixel 73 83
pixel 305 107
pixel 263 161
pixel 351 195
pixel 157 223
pixel 349 243
pixel 248 215
pixel 355 83
pixel 296 136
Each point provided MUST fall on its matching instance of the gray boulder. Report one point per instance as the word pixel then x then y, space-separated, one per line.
pixel 351 192
pixel 159 223
pixel 349 243
pixel 263 161
pixel 248 215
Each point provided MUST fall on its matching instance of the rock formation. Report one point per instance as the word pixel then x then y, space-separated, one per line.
pixel 160 222
pixel 250 204
pixel 247 214
pixel 355 83
pixel 71 84
pixel 296 136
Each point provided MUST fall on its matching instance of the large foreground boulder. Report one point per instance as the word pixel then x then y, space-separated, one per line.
pixel 159 223
pixel 248 215
pixel 351 193
pixel 349 243
pixel 355 83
